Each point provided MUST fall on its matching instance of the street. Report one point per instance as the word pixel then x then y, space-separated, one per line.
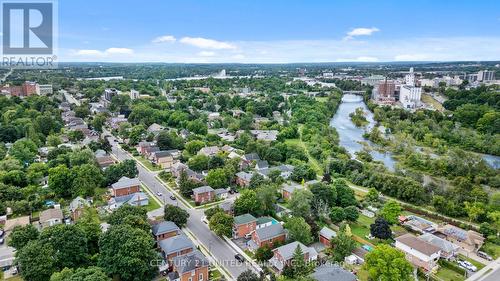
pixel 220 250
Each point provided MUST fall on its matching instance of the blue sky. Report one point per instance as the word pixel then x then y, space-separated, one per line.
pixel 278 31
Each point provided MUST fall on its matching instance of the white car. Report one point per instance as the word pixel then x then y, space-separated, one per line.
pixel 159 193
pixel 204 219
pixel 467 265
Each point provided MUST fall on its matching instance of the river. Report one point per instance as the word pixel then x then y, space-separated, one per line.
pixel 351 136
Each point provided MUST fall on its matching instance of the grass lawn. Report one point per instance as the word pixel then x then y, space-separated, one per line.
pixel 475 263
pixel 15 278
pixel 362 227
pixel 491 249
pixel 321 99
pixel 153 204
pixel 447 274
pixel 215 274
pixel 430 100
pixel 148 163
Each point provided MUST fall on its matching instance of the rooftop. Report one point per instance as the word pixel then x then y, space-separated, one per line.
pixel 417 244
pixel 243 219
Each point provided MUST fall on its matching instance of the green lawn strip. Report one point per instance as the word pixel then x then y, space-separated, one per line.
pixel 189 204
pixel 492 249
pixel 146 163
pixel 314 162
pixel 447 274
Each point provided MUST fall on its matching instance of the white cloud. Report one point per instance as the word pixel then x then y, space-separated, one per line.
pixel 105 53
pixel 411 57
pixel 361 31
pixel 164 39
pixel 204 43
pixel 120 51
pixel 206 54
pixel 359 59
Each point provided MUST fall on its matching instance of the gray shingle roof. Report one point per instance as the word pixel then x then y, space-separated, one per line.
pixel 190 262
pixel 202 189
pixel 287 250
pixel 125 182
pixel 327 232
pixel 175 244
pixel 439 242
pixel 269 232
pixel 330 272
pixel 164 227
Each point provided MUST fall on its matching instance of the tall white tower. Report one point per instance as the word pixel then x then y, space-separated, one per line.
pixel 410 78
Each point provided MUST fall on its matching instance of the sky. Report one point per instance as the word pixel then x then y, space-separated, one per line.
pixel 277 31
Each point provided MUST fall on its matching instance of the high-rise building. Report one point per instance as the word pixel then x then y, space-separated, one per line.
pixel 410 78
pixel 110 93
pixel 410 96
pixel 486 75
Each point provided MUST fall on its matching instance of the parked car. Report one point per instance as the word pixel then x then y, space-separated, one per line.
pixel 467 265
pixel 204 219
pixel 172 197
pixel 239 258
pixel 159 193
pixel 1 241
pixel 484 255
pixel 1 232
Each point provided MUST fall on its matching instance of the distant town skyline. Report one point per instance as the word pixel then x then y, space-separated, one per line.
pixel 277 31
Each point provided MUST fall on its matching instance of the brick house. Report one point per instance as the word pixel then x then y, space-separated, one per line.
pixel 164 159
pixel 190 267
pixel 178 168
pixel 244 225
pixel 77 206
pixel 418 252
pixel 325 236
pixel 143 145
pixel 125 186
pixel 164 230
pixel 203 194
pixel 469 240
pixel 268 236
pixel 288 189
pixel 243 179
pixel 283 255
pixel 175 246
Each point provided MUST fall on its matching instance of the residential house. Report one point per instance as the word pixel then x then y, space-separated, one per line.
pixel 194 176
pixel 105 161
pixel 285 171
pixel 469 240
pixel 164 230
pixel 262 164
pixel 175 246
pixel 325 236
pixel 50 217
pixel 244 225
pixel 418 252
pixel 267 236
pixel 332 272
pixel 134 199
pixel 248 159
pixel 125 186
pixel 178 168
pixel 265 221
pixel 221 193
pixel 265 135
pixel 209 151
pixel 203 194
pixel 418 224
pixel 155 128
pixel 288 189
pixel 227 207
pixel 448 250
pixel 11 223
pixel 283 255
pixel 164 159
pixel 143 145
pixel 149 150
pixel 77 206
pixel 193 266
pixel 243 179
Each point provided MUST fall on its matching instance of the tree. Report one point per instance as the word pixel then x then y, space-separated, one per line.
pixel 98 122
pixel 256 180
pixel 126 253
pixel 298 230
pixel 25 150
pixel 337 214
pixel 372 195
pixel 21 235
pixel 87 178
pixel 92 273
pixel 197 127
pixel 36 261
pixel 381 229
pixel 345 195
pixel 198 162
pixel 474 210
pixel 70 244
pixel 303 172
pixel 114 172
pixel 351 213
pixel 61 181
pixel 89 223
pixel 266 195
pixel 248 275
pixel 324 192
pixel 298 267
pixel 119 216
pixel 263 253
pixel 76 135
pixel 246 203
pixel 341 246
pixel 169 140
pixel 222 224
pixel 300 203
pixel 217 178
pixel 212 211
pixel 176 214
pixel 391 211
pixel 387 263
pixel 194 146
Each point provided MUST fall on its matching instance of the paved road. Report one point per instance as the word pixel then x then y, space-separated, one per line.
pixel 220 250
pixel 491 272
